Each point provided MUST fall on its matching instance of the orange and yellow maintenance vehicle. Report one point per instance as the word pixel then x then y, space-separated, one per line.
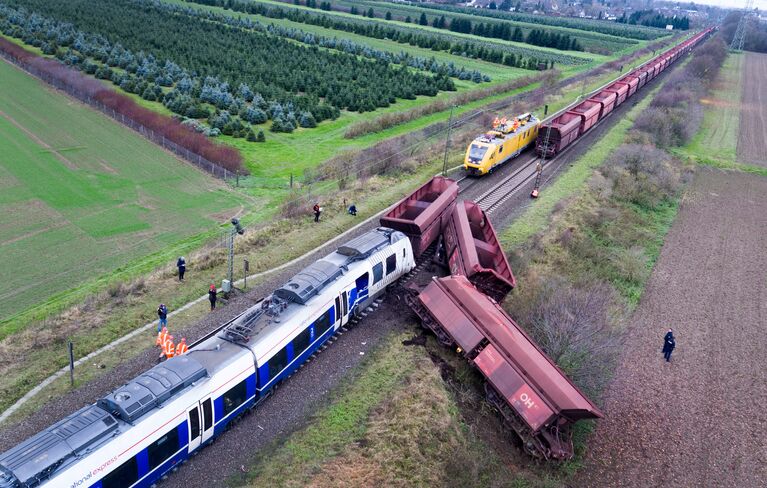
pixel 506 140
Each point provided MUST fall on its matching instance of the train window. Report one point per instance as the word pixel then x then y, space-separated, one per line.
pixel 377 273
pixel 477 152
pixel 194 423
pixel 278 362
pixel 234 397
pixel 162 449
pixel 125 475
pixel 391 264
pixel 322 324
pixel 500 149
pixel 301 342
pixel 207 414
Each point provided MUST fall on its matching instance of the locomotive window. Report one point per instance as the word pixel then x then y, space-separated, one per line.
pixel 163 448
pixel 278 362
pixel 391 264
pixel 477 152
pixel 500 149
pixel 322 324
pixel 301 342
pixel 377 273
pixel 207 414
pixel 125 475
pixel 235 397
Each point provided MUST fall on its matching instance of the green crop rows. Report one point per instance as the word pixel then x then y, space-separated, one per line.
pixel 81 196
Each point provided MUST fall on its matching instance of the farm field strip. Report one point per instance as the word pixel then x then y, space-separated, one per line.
pixel 85 196
pixel 593 25
pixel 753 122
pixel 495 71
pixel 587 38
pixel 518 47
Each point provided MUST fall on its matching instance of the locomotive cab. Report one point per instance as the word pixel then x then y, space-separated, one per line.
pixel 505 141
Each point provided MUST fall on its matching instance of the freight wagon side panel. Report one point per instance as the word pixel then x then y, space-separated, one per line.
pixel 519 395
pixel 621 91
pixel 419 215
pixel 606 99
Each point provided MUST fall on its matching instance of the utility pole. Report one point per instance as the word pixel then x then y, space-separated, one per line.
pixel 740 32
pixel 447 141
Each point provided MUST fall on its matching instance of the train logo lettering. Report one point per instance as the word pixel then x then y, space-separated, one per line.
pixel 526 400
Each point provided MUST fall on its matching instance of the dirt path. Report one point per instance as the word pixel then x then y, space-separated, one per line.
pixel 752 147
pixel 699 420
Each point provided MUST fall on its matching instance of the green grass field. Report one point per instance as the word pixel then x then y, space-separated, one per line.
pixel 82 196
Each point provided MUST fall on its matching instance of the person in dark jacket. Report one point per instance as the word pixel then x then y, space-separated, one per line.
pixel 353 210
pixel 181 265
pixel 317 211
pixel 212 297
pixel 669 343
pixel 162 313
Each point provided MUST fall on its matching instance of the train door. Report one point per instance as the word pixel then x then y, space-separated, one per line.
pixel 342 309
pixel 200 423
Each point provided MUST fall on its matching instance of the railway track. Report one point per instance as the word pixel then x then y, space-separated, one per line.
pixel 507 187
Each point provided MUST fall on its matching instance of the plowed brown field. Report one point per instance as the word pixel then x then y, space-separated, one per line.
pixel 752 137
pixel 698 420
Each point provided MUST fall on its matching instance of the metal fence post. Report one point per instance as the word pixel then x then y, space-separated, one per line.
pixel 71 364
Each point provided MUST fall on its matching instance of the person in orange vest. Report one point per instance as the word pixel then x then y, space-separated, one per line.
pixel 169 348
pixel 181 347
pixel 161 336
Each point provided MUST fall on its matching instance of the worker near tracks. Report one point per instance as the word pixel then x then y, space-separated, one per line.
pixel 317 211
pixel 353 210
pixel 169 348
pixel 181 347
pixel 181 265
pixel 212 296
pixel 669 343
pixel 162 313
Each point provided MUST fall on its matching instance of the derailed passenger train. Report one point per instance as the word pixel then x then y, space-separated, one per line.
pixel 136 434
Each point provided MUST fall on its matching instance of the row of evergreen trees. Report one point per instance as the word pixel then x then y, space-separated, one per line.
pixel 477 49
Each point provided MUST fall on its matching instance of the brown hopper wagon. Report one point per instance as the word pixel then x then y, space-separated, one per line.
pixel 472 250
pixel 535 398
pixel 419 215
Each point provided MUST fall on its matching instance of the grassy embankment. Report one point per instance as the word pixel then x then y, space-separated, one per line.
pixel 265 248
pixel 716 143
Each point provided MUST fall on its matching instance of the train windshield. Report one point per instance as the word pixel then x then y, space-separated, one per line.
pixel 477 152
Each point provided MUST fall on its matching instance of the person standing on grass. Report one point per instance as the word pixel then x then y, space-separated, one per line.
pixel 669 343
pixel 317 211
pixel 162 313
pixel 353 210
pixel 181 265
pixel 212 296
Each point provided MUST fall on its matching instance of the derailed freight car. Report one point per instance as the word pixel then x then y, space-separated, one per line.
pixel 420 215
pixel 535 398
pixel 472 250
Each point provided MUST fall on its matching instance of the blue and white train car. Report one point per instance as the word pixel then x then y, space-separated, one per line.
pixel 139 432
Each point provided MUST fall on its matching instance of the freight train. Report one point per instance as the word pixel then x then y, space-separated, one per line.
pixel 554 136
pixel 506 140
pixel 142 430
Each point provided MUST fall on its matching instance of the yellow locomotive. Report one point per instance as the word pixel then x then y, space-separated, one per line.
pixel 506 140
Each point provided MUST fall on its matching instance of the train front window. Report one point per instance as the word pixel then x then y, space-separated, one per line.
pixel 477 152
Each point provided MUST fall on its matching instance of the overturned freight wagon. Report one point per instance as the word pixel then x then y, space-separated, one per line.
pixel 419 215
pixel 532 394
pixel 472 250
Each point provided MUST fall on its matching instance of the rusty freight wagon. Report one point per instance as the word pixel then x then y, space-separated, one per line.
pixel 621 90
pixel 472 250
pixel 532 394
pixel 633 82
pixel 419 215
pixel 556 135
pixel 606 99
pixel 588 111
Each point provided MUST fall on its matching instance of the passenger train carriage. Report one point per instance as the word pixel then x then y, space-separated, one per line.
pixel 139 432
